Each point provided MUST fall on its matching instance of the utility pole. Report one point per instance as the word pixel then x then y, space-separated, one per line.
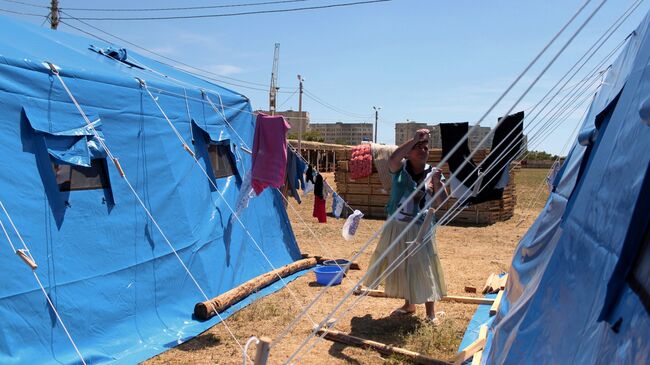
pixel 54 14
pixel 273 92
pixel 377 109
pixel 300 119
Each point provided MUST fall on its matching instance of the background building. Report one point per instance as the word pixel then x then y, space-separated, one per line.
pixel 405 131
pixel 344 133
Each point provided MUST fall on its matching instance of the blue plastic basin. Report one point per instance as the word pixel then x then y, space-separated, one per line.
pixel 325 274
pixel 345 264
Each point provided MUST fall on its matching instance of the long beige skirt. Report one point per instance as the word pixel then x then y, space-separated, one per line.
pixel 419 278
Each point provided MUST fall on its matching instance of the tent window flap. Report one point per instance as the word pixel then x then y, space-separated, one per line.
pixel 72 177
pixel 222 160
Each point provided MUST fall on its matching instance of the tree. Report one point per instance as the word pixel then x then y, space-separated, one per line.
pixel 314 136
pixel 540 155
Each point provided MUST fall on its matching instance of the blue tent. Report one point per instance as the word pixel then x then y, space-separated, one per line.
pixel 121 291
pixel 579 282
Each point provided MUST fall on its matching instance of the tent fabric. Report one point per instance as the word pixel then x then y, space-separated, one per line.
pixel 118 286
pixel 565 301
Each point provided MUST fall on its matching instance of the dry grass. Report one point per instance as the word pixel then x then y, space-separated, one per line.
pixel 468 255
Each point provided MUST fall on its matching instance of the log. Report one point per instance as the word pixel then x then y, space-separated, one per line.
pixel 382 348
pixel 206 310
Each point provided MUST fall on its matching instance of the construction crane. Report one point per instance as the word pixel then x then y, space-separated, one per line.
pixel 274 80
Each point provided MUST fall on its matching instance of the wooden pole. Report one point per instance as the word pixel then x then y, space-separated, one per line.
pixel 262 354
pixel 415 357
pixel 208 309
pixel 54 14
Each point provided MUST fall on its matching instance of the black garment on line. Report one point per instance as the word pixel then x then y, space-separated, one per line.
pixel 318 186
pixel 310 174
pixel 292 170
pixel 506 144
pixel 450 135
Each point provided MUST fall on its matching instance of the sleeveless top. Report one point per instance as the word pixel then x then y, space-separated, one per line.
pixel 403 185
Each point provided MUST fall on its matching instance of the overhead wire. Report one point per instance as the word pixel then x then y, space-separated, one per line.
pixel 212 75
pixel 184 7
pixel 320 101
pixel 27 4
pixel 200 16
pixel 22 13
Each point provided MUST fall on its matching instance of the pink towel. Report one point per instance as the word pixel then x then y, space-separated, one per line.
pixel 269 152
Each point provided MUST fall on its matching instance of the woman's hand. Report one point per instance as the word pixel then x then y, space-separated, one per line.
pixel 421 135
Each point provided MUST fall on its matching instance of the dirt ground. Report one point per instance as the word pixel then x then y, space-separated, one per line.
pixel 468 255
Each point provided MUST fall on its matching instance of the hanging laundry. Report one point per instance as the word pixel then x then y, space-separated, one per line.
pixel 309 174
pixel 295 167
pixel 327 190
pixel 351 224
pixel 269 152
pixel 506 145
pixel 360 162
pixel 309 181
pixel 320 210
pixel 245 194
pixel 318 186
pixel 380 156
pixel 301 166
pixel 469 184
pixel 337 205
pixel 462 177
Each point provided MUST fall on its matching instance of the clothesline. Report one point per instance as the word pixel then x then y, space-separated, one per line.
pixel 346 296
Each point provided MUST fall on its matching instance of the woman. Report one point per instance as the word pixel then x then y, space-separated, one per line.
pixel 419 278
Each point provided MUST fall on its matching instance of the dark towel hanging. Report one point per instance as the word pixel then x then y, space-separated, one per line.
pixel 310 174
pixel 318 186
pixel 506 144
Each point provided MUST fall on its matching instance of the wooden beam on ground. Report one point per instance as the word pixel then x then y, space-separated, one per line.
pixel 482 333
pixel 488 284
pixel 469 351
pixel 208 309
pixel 449 298
pixel 502 281
pixel 388 350
pixel 497 302
pixel 469 300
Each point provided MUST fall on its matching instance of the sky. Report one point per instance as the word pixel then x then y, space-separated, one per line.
pixel 418 60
